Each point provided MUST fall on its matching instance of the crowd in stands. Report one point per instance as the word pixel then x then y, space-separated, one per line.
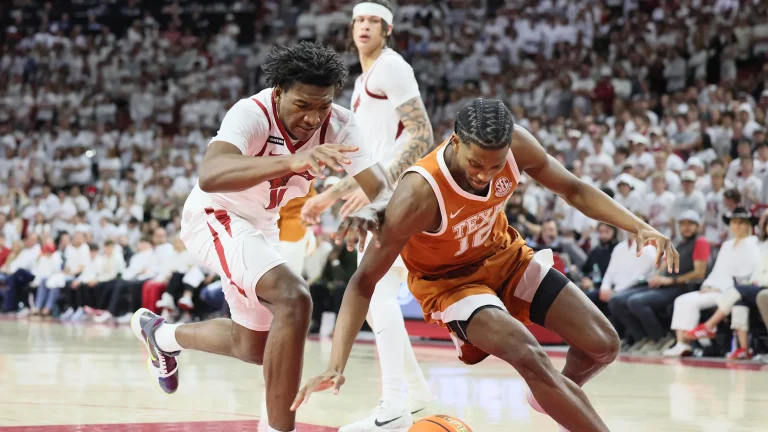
pixel 106 108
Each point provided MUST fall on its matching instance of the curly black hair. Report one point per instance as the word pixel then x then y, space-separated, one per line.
pixel 307 63
pixel 486 123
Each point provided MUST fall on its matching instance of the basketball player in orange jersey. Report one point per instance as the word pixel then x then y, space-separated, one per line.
pixel 387 104
pixel 474 274
pixel 296 240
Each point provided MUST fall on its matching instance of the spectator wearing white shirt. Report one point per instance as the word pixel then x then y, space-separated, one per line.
pixel 186 277
pixel 737 259
pixel 48 279
pixel 139 270
pixel 714 229
pixel 657 206
pixel 690 199
pixel 80 289
pixel 9 230
pixel 19 273
pixel 627 196
pixel 625 270
pixel 750 187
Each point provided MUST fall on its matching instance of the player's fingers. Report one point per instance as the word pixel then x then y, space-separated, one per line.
pixel 341 231
pixel 639 246
pixel 316 168
pixel 353 235
pixel 337 383
pixel 300 398
pixel 341 148
pixel 659 255
pixel 348 208
pixel 333 160
pixel 363 237
pixel 375 230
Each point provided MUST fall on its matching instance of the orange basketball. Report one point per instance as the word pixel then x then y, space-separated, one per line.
pixel 440 423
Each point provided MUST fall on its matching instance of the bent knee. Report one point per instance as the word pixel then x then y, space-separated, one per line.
pixel 294 299
pixel 607 345
pixel 531 361
pixel 251 354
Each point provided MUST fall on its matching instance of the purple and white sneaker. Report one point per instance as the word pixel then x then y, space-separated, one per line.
pixel 161 365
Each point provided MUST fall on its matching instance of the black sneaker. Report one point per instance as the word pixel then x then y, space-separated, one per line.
pixel 161 365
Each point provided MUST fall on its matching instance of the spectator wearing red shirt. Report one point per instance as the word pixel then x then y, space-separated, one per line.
pixel 5 252
pixel 604 92
pixel 638 314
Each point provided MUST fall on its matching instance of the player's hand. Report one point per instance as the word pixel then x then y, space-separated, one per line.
pixel 664 247
pixel 355 228
pixel 319 383
pixel 314 207
pixel 354 202
pixel 326 155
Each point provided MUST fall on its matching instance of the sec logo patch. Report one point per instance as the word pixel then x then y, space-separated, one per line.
pixel 502 187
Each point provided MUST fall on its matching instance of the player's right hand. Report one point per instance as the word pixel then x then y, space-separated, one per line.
pixel 314 207
pixel 328 379
pixel 326 155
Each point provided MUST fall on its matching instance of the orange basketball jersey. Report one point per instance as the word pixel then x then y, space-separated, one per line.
pixel 290 225
pixel 472 227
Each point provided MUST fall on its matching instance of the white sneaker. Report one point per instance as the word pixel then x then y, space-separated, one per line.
pixel 79 315
pixel 165 302
pixel 383 418
pixel 185 303
pixel 125 319
pixel 67 315
pixel 679 350
pixel 422 406
pixel 103 318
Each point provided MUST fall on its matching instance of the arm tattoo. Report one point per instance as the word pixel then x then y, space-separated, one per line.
pixel 342 188
pixel 414 117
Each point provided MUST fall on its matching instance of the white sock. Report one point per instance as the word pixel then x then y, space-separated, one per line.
pixel 275 430
pixel 414 377
pixel 389 328
pixel 165 336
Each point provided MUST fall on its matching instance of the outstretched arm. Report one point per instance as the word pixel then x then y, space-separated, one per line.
pixel 591 201
pixel 415 120
pixel 412 209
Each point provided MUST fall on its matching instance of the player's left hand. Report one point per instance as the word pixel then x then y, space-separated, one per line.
pixel 314 207
pixel 329 379
pixel 648 235
pixel 354 202
pixel 354 229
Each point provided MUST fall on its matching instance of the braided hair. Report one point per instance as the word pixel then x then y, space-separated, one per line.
pixel 486 123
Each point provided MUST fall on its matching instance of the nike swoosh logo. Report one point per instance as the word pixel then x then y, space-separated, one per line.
pixel 378 332
pixel 380 424
pixel 150 351
pixel 453 215
pixel 417 411
pixel 272 154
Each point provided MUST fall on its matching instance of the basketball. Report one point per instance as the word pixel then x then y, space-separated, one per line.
pixel 440 423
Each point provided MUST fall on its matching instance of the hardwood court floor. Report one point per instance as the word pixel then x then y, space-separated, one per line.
pixel 66 378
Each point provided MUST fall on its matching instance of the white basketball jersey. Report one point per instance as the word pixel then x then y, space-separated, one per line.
pixel 253 126
pixel 389 83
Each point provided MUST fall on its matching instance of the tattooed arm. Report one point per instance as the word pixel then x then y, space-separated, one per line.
pixel 414 117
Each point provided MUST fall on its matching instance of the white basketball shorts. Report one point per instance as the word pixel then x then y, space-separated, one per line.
pixel 239 252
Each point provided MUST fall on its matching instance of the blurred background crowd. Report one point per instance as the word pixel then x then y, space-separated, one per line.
pixel 107 106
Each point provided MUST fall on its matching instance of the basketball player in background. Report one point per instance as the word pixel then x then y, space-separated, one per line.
pixel 268 150
pixel 297 241
pixel 387 104
pixel 473 273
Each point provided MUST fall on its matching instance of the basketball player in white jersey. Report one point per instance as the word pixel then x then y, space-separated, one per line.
pixel 269 148
pixel 388 106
